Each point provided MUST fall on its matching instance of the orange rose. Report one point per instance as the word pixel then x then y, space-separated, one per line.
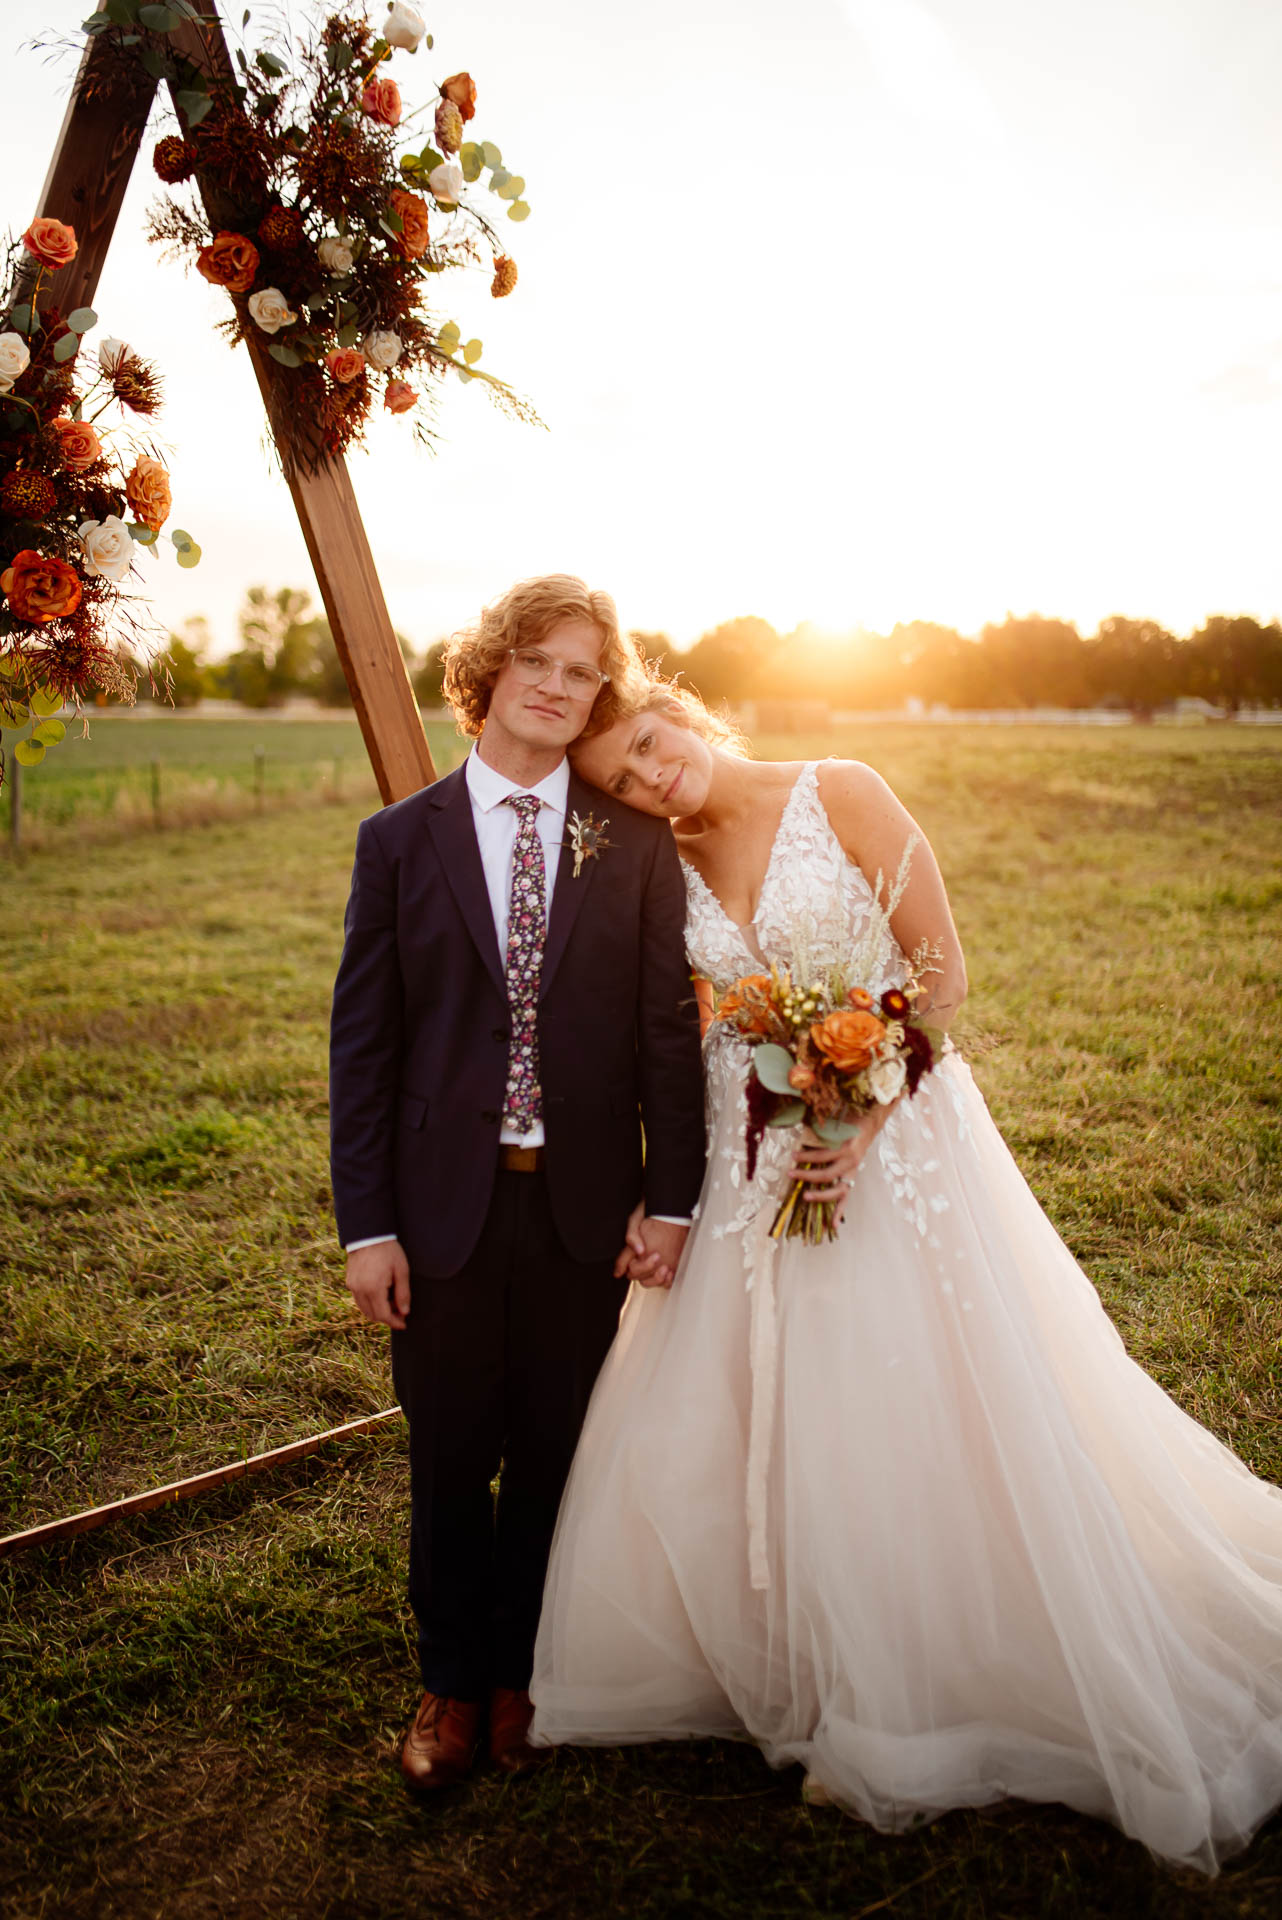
pixel 411 241
pixel 382 102
pixel 741 999
pixel 52 244
pixel 400 396
pixel 38 589
pixel 147 491
pixel 461 89
pixel 344 364
pixel 78 443
pixel 848 1038
pixel 229 261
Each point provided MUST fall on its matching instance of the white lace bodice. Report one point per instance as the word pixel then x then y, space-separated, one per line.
pixel 814 909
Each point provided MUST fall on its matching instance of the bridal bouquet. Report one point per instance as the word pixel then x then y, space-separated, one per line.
pixel 825 1054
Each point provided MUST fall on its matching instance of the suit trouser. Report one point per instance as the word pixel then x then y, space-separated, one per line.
pixel 494 1371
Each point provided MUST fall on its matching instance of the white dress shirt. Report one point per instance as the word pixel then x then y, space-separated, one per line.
pixel 496 827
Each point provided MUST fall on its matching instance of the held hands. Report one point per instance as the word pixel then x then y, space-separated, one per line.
pixel 652 1250
pixel 379 1280
pixel 831 1169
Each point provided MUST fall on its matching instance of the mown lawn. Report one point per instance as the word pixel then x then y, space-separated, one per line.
pixel 199 1708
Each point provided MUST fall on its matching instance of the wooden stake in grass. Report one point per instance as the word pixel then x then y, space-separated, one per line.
pixel 259 757
pixel 13 773
pixel 155 792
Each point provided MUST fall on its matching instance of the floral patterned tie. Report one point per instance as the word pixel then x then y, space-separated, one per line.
pixel 526 932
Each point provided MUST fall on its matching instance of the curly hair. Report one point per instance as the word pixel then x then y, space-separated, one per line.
pixel 522 618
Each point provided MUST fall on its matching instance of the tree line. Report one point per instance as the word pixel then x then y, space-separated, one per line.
pixel 286 650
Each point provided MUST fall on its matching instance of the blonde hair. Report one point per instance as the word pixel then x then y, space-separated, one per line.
pixel 523 617
pixel 647 690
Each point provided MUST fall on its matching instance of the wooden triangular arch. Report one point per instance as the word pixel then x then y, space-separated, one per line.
pixel 97 146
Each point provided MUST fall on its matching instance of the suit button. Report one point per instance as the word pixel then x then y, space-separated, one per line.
pixel 499 1033
pixel 489 1117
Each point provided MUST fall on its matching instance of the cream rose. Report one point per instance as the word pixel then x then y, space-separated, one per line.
pixel 382 350
pixel 15 358
pixel 336 255
pixel 886 1079
pixel 445 183
pixel 403 27
pixel 111 353
pixel 109 547
pixel 269 311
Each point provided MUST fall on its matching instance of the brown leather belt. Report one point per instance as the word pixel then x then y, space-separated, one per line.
pixel 521 1159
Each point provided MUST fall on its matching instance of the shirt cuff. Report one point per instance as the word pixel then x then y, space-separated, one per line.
pixel 671 1219
pixel 379 1240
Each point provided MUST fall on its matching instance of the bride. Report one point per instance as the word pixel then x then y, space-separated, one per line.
pixel 897 1507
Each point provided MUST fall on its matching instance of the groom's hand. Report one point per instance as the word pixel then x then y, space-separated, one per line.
pixel 656 1252
pixel 379 1279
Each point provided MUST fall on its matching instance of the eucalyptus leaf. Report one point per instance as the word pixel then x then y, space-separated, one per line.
pixel 773 1065
pixel 285 355
pixel 490 154
pixel 499 179
pixel 66 347
pixel 519 210
pixel 145 536
pixel 13 713
pixel 789 1115
pixel 448 337
pixel 429 159
pixel 513 187
pixel 349 335
pixel 268 63
pixel 189 557
pixel 391 223
pixel 28 753
pixel 122 13
pixel 315 301
pixel 82 319
pixel 21 317
pixel 158 19
pixel 43 702
pixel 152 61
pixel 50 733
pixel 193 106
pixel 833 1132
pixel 470 160
pixel 181 537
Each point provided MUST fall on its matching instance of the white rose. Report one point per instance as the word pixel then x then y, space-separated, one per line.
pixel 111 353
pixel 335 255
pixel 403 27
pixel 445 183
pixel 382 350
pixel 109 547
pixel 269 310
pixel 886 1079
pixel 15 358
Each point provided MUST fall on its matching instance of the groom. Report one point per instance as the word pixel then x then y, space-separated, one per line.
pixel 512 1008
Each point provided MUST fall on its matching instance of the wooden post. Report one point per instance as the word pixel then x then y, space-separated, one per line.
pixel 13 774
pixel 86 185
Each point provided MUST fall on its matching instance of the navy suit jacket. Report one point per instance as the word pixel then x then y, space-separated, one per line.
pixel 420 1028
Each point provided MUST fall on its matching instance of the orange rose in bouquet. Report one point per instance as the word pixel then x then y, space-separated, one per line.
pixel 746 1004
pixel 460 88
pixel 52 243
pixel 411 241
pixel 848 1038
pixel 147 491
pixel 40 589
pixel 230 260
pixel 78 443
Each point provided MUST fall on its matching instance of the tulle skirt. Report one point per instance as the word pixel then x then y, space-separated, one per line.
pixel 901 1509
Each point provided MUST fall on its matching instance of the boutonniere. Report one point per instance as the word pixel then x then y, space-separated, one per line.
pixel 586 839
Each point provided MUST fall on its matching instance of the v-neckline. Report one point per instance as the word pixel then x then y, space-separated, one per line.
pixel 746 927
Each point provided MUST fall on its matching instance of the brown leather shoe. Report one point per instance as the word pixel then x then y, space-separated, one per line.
pixel 438 1749
pixel 510 1716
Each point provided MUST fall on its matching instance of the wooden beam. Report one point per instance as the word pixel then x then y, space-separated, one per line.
pixel 94 1517
pixel 325 502
pixel 86 184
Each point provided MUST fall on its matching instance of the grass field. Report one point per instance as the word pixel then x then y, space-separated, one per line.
pixel 199 1708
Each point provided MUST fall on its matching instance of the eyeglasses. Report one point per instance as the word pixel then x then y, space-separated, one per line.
pixel 532 668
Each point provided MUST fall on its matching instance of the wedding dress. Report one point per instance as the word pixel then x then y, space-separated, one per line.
pixel 899 1507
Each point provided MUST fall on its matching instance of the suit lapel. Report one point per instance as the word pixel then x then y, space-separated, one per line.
pixel 569 894
pixel 454 835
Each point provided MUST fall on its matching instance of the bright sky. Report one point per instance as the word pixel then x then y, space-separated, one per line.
pixel 851 311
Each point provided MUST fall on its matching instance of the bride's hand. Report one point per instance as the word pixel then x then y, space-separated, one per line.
pixel 831 1169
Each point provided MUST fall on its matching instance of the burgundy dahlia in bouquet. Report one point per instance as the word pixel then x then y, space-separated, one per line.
pixel 824 1054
